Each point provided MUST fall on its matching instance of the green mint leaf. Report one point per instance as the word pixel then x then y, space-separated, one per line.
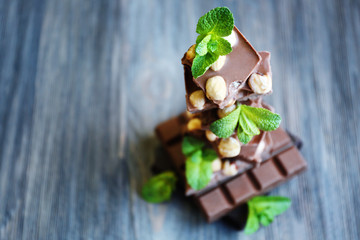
pixel 277 204
pixel 243 137
pixel 202 48
pixel 196 157
pixel 267 217
pixel 252 223
pixel 191 145
pixel 223 47
pixel 202 63
pixel 218 21
pixel 200 38
pixel 213 45
pixel 264 220
pixel 159 188
pixel 209 154
pixel 224 127
pixel 198 175
pixel 264 119
pixel 264 209
pixel 247 125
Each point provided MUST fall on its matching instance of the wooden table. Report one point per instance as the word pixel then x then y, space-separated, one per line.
pixel 84 83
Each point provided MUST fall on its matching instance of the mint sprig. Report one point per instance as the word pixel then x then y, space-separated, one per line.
pixel 159 188
pixel 263 209
pixel 198 169
pixel 249 120
pixel 210 44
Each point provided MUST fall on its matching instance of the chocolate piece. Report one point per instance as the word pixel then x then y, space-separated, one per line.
pixel 230 197
pixel 273 142
pixel 240 63
pixel 237 91
pixel 255 182
pixel 224 193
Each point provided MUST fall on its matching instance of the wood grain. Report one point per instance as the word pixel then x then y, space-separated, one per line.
pixel 84 83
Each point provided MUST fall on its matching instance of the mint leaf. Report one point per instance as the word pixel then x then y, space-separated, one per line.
pixel 264 119
pixel 202 63
pixel 214 25
pixel 200 38
pixel 198 175
pixel 267 217
pixel 159 188
pixel 209 154
pixel 247 125
pixel 277 204
pixel 190 145
pixel 219 21
pixel 196 157
pixel 213 45
pixel 224 127
pixel 252 223
pixel 198 170
pixel 264 209
pixel 223 47
pixel 202 47
pixel 243 137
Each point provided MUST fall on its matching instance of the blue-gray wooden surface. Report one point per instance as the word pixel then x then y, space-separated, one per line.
pixel 84 83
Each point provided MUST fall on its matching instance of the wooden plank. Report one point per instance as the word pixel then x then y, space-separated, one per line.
pixel 84 83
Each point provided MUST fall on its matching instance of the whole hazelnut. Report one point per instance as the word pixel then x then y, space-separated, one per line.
pixel 194 124
pixel 232 39
pixel 229 169
pixel 226 111
pixel 210 135
pixel 197 99
pixel 216 66
pixel 229 147
pixel 260 84
pixel 216 165
pixel 216 88
pixel 190 54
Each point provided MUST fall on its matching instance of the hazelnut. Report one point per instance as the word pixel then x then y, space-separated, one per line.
pixel 260 84
pixel 229 169
pixel 226 111
pixel 216 88
pixel 232 39
pixel 190 54
pixel 197 99
pixel 210 135
pixel 189 114
pixel 229 147
pixel 216 165
pixel 194 124
pixel 216 66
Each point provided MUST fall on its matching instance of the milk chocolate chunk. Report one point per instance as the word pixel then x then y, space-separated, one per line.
pixel 238 66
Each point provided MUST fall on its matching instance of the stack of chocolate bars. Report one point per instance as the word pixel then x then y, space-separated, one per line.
pixel 241 171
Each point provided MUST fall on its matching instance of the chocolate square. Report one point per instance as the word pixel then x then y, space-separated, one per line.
pixel 214 204
pixel 291 161
pixel 240 188
pixel 268 174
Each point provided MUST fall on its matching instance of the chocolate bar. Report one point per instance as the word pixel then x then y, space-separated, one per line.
pixel 223 193
pixel 221 200
pixel 170 134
